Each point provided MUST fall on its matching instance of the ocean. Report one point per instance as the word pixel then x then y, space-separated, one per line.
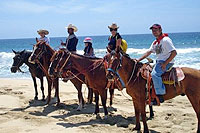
pixel 187 45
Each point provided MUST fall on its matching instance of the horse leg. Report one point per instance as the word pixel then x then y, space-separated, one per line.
pixel 143 115
pixel 195 101
pixel 42 88
pixel 137 115
pixel 151 111
pixel 49 90
pixel 90 95
pixel 35 86
pixel 56 85
pixel 80 96
pixel 103 100
pixel 97 102
pixel 111 96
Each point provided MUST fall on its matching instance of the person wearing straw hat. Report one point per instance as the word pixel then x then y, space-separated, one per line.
pixel 43 37
pixel 72 40
pixel 115 39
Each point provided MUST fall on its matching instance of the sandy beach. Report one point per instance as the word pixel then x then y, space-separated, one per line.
pixel 20 113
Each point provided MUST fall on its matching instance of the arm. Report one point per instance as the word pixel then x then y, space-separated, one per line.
pixel 145 55
pixel 171 57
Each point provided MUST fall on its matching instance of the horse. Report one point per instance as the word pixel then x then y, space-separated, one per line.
pixel 77 79
pixel 44 51
pixel 21 58
pixel 135 86
pixel 94 70
pixel 72 74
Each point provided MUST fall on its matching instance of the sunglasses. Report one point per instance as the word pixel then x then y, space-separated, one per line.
pixel 113 29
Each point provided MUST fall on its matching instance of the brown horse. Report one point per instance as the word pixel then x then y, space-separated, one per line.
pixel 77 80
pixel 128 69
pixel 71 73
pixel 44 52
pixel 94 71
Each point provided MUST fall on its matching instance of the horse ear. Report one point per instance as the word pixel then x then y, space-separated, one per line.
pixel 14 51
pixel 36 39
pixel 22 51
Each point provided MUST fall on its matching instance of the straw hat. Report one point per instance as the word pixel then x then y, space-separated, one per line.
pixel 46 32
pixel 71 26
pixel 113 26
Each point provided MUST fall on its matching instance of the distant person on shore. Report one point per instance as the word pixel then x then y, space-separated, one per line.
pixel 88 50
pixel 115 40
pixel 43 37
pixel 72 40
pixel 165 52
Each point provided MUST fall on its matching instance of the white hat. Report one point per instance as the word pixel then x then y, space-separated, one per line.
pixel 46 32
pixel 71 26
pixel 113 26
pixel 87 39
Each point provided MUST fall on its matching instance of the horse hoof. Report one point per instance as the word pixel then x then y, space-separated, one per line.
pixel 105 117
pixel 35 98
pixel 137 128
pixel 98 116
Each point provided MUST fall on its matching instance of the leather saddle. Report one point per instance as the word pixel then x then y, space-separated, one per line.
pixel 172 76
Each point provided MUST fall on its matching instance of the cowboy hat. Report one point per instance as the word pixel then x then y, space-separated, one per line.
pixel 71 26
pixel 113 26
pixel 46 32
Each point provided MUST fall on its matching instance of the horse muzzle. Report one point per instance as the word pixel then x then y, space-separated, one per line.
pixel 13 69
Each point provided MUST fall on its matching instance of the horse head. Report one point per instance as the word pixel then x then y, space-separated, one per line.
pixel 60 63
pixel 18 60
pixel 38 50
pixel 113 59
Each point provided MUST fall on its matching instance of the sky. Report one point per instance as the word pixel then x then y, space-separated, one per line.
pixel 22 18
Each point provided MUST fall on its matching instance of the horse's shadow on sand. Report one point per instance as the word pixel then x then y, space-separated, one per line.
pixel 70 110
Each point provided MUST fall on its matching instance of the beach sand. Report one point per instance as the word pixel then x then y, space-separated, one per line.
pixel 20 113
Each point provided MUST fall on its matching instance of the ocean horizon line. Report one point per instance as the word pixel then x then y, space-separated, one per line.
pixel 98 35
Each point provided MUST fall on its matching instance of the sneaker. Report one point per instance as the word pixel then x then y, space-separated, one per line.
pixel 161 99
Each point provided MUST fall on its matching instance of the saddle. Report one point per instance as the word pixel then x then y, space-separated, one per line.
pixel 172 76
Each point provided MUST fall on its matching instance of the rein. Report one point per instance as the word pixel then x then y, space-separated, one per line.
pixel 133 71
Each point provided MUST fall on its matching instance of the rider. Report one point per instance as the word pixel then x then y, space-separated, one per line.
pixel 115 39
pixel 43 37
pixel 88 50
pixel 72 40
pixel 165 52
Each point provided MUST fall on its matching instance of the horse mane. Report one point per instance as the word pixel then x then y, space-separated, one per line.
pixel 88 57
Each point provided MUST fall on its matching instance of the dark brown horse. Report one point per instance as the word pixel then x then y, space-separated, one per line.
pixel 128 69
pixel 94 71
pixel 44 52
pixel 21 58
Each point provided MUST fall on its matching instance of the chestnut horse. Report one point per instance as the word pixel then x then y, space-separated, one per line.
pixel 128 69
pixel 77 80
pixel 94 71
pixel 21 58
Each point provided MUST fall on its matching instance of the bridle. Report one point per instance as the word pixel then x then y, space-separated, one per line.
pixel 41 52
pixel 119 66
pixel 18 65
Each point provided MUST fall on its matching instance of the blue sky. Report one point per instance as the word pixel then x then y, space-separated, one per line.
pixel 22 18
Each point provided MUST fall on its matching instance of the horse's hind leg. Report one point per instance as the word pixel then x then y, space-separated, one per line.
pixel 49 90
pixel 111 96
pixel 35 86
pixel 195 101
pixel 42 88
pixel 151 111
pixel 90 95
pixel 97 102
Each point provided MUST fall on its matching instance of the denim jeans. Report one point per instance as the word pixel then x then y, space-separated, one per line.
pixel 157 79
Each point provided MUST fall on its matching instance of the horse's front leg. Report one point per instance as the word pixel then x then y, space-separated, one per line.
pixel 97 102
pixel 42 88
pixel 78 86
pixel 49 82
pixel 90 95
pixel 103 100
pixel 56 84
pixel 35 86
pixel 137 115
pixel 143 115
